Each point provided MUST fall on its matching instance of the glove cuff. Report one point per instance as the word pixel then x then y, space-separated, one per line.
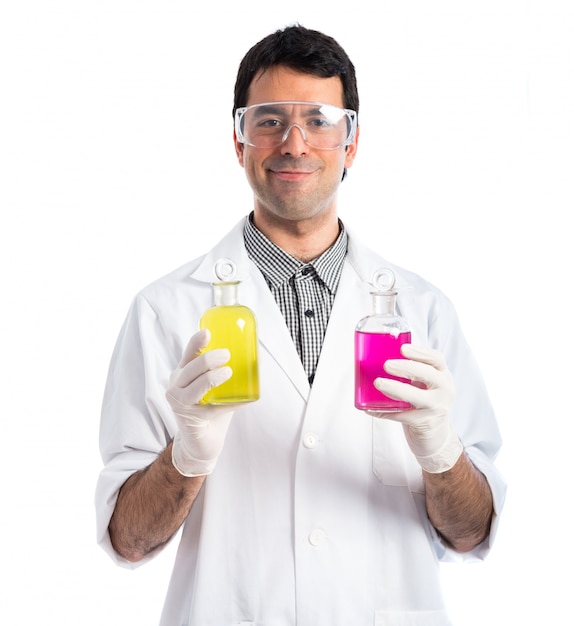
pixel 186 464
pixel 446 457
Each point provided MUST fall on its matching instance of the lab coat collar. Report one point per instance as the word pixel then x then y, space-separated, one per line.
pixel 366 262
pixel 363 260
pixel 231 247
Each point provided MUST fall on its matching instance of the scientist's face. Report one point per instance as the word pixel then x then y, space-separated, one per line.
pixel 294 181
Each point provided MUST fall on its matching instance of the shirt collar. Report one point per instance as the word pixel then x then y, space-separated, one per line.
pixel 278 266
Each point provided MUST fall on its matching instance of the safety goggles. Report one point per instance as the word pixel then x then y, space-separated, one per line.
pixel 322 126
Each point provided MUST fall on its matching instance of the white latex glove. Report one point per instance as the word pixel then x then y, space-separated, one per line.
pixel 201 427
pixel 429 433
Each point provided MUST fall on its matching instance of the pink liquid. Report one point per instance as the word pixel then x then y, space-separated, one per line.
pixel 371 352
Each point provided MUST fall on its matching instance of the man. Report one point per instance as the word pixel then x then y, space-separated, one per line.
pixel 298 508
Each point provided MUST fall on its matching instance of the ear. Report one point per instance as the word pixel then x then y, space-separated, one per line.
pixel 351 151
pixel 239 148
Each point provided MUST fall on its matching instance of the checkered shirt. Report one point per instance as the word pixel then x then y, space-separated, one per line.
pixel 304 292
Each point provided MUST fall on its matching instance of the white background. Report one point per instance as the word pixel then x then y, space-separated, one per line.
pixel 116 166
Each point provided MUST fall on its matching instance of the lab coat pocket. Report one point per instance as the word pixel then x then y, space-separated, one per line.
pixel 412 618
pixel 393 462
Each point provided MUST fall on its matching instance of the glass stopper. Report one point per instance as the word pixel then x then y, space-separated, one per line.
pixel 383 280
pixel 225 270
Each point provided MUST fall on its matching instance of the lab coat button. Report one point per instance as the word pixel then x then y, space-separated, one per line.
pixel 316 537
pixel 310 440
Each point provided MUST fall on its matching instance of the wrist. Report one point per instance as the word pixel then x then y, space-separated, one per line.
pixel 186 464
pixel 445 457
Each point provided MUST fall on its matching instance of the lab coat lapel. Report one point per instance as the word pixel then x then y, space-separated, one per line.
pixel 352 302
pixel 337 350
pixel 333 387
pixel 274 336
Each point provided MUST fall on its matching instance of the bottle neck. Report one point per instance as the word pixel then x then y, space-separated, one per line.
pixel 384 302
pixel 225 294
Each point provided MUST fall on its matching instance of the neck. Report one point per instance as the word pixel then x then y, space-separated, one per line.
pixel 304 239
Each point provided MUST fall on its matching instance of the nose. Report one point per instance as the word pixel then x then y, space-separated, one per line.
pixel 294 144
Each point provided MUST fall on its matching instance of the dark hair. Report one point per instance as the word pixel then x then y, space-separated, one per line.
pixel 300 49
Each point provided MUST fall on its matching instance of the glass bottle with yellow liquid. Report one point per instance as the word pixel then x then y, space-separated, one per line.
pixel 232 326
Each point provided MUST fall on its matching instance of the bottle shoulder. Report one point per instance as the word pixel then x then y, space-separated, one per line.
pixel 391 324
pixel 228 312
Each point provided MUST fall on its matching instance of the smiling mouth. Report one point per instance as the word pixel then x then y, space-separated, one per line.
pixel 291 175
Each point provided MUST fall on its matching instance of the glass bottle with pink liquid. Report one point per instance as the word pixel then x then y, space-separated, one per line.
pixel 379 337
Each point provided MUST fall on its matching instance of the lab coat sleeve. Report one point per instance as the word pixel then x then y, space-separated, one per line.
pixel 472 416
pixel 136 422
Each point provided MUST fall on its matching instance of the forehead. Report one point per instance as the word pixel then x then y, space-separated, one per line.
pixel 282 83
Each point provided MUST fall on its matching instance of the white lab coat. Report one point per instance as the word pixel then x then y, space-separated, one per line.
pixel 314 515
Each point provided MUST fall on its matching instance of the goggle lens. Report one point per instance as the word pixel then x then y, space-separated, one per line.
pixel 323 126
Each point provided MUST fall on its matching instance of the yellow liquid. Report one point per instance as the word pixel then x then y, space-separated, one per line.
pixel 233 327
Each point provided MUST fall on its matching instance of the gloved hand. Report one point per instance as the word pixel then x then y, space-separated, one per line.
pixel 201 427
pixel 429 433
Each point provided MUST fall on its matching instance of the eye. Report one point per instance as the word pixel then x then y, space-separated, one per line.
pixel 269 123
pixel 319 123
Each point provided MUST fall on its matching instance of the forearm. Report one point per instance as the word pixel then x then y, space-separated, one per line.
pixel 152 504
pixel 459 504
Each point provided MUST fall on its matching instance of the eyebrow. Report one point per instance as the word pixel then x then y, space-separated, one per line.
pixel 278 108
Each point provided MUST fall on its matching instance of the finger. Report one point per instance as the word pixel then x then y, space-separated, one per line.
pixel 194 392
pixel 196 344
pixel 398 390
pixel 414 371
pixel 424 355
pixel 202 364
